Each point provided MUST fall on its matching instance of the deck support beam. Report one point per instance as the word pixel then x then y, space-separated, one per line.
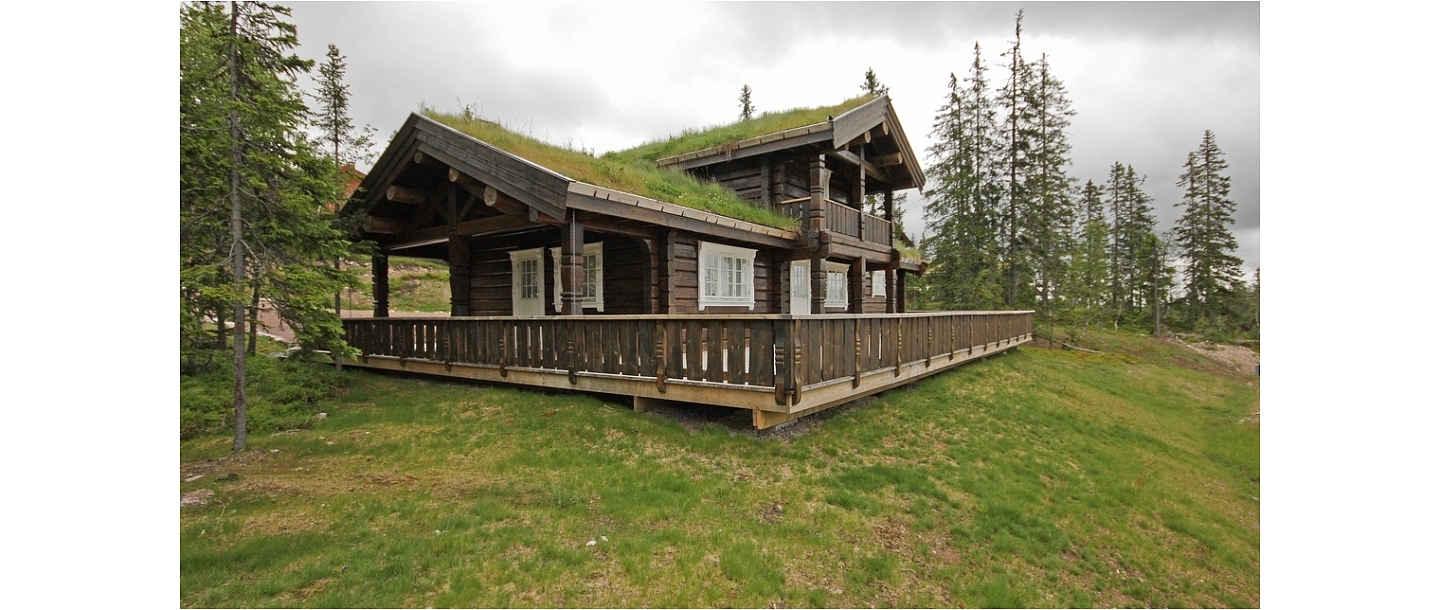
pixel 380 282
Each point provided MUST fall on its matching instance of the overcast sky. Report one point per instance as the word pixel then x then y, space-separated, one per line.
pixel 1145 79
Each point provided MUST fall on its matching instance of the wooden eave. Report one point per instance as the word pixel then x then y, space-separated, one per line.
pixel 600 200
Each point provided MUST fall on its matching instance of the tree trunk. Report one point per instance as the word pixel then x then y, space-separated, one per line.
pixel 237 234
pixel 339 366
pixel 254 320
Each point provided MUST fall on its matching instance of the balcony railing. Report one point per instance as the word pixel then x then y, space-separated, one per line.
pixel 845 220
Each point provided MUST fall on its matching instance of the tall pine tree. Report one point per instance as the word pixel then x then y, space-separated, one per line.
pixel 246 166
pixel 747 107
pixel 1086 291
pixel 1132 240
pixel 1017 137
pixel 1206 247
pixel 964 195
pixel 1050 214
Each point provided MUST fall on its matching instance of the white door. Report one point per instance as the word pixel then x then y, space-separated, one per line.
pixel 799 287
pixel 527 284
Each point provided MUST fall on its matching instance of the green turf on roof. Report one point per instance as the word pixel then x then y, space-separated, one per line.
pixel 632 176
pixel 769 122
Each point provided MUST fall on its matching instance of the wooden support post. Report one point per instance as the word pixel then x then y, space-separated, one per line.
pixel 572 265
pixel 858 198
pixel 890 285
pixel 819 193
pixel 459 275
pixel 668 271
pixel 857 285
pixel 380 281
pixel 900 291
pixel 819 283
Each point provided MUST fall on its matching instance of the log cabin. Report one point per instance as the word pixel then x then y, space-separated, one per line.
pixel 582 283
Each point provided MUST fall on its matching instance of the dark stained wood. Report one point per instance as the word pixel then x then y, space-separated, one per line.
pixel 459 275
pixel 380 283
pixel 383 226
pixel 402 194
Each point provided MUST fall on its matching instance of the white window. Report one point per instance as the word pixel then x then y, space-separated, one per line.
pixel 837 286
pixel 877 283
pixel 727 276
pixel 592 277
pixel 799 287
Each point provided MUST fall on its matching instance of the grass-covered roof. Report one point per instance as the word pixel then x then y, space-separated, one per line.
pixel 633 170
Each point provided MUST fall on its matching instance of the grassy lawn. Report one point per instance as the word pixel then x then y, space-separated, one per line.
pixel 1036 478
pixel 416 284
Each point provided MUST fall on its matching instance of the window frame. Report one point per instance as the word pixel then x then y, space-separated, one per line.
pixel 831 270
pixel 592 249
pixel 747 276
pixel 877 283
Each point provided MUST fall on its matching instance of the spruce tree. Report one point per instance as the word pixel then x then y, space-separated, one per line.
pixel 1206 246
pixel 961 210
pixel 346 143
pixel 246 166
pixel 1132 224
pixel 872 85
pixel 1017 138
pixel 747 108
pixel 1087 289
pixel 1050 215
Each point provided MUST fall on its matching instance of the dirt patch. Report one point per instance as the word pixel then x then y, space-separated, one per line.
pixel 1237 357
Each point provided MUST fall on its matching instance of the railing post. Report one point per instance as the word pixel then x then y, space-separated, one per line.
pixel 504 348
pixel 570 356
pixel 797 363
pixel 855 323
pixel 784 381
pixel 661 343
pixel 899 343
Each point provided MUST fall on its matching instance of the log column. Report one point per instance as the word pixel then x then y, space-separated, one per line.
pixel 459 275
pixel 857 285
pixel 819 193
pixel 900 291
pixel 890 270
pixel 572 265
pixel 380 281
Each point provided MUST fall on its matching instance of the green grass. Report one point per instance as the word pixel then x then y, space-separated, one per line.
pixel 1035 478
pixel 637 176
pixel 416 285
pixel 768 122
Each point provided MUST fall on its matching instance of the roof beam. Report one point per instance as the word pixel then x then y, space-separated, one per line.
pixel 888 160
pixel 405 194
pixel 853 159
pixel 435 235
pixel 383 226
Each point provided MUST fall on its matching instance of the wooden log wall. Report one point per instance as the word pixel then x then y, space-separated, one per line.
pixel 684 279
pixel 626 269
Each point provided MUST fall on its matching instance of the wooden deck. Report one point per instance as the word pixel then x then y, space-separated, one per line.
pixel 781 367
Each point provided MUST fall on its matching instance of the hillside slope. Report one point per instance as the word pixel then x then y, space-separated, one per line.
pixel 1036 478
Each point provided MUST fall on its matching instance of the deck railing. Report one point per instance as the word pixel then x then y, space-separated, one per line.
pixel 780 353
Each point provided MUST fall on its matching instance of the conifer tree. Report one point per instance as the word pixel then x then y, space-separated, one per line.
pixel 964 195
pixel 1132 224
pixel 1207 248
pixel 245 160
pixel 1050 215
pixel 1087 289
pixel 1017 138
pixel 747 108
pixel 872 84
pixel 346 143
